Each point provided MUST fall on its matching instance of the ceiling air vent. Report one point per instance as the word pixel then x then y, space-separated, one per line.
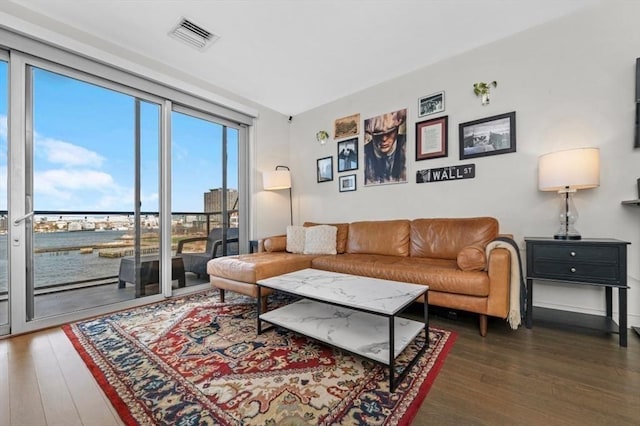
pixel 194 35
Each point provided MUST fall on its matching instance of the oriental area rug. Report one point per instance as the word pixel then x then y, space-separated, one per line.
pixel 196 361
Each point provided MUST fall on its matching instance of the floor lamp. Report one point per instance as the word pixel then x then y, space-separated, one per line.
pixel 278 179
pixel 566 172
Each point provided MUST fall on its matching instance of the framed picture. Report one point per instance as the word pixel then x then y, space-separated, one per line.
pixel 385 148
pixel 432 138
pixel 488 136
pixel 346 126
pixel 347 183
pixel 348 155
pixel 432 104
pixel 325 169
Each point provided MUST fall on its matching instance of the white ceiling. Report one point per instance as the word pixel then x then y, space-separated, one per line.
pixel 294 55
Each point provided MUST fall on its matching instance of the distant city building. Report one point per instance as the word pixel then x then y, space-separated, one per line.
pixel 213 200
pixel 213 204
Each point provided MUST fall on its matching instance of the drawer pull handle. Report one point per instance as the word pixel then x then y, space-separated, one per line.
pixel 573 254
pixel 573 269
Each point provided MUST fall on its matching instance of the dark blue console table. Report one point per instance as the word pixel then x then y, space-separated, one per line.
pixel 590 261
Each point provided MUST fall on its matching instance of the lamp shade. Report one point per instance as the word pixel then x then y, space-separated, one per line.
pixel 276 179
pixel 570 169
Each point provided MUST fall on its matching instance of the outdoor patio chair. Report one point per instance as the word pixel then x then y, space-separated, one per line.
pixel 197 262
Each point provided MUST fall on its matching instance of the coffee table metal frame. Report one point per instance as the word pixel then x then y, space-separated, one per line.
pixel 393 381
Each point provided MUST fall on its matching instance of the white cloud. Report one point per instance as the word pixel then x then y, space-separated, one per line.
pixel 67 154
pixel 81 189
pixel 73 179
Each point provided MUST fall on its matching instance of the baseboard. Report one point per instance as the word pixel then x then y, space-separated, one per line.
pixel 633 320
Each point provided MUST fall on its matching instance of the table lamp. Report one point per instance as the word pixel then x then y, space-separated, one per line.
pixel 566 172
pixel 278 179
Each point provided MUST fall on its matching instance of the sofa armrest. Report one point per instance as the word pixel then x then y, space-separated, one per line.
pixel 274 243
pixel 499 270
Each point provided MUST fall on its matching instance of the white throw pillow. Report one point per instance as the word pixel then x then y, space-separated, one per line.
pixel 295 239
pixel 320 239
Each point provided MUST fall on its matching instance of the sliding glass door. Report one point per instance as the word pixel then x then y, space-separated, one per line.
pixel 205 190
pixel 93 156
pixel 95 196
pixel 4 240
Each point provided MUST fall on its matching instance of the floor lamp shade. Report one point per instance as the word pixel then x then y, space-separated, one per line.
pixel 276 179
pixel 565 172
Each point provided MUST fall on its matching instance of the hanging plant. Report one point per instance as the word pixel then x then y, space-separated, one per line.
pixel 482 89
pixel 322 136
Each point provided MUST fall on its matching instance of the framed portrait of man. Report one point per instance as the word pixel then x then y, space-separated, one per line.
pixel 385 148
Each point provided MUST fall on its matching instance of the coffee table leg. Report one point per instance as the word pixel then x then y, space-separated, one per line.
pixel 259 309
pixel 392 368
pixel 426 320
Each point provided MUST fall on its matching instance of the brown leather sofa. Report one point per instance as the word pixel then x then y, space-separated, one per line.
pixel 448 255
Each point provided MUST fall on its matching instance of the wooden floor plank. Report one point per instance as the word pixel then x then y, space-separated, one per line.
pixel 58 405
pixel 25 403
pixel 538 376
pixel 5 416
pixel 93 406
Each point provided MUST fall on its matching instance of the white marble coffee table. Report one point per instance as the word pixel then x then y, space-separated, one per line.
pixel 356 314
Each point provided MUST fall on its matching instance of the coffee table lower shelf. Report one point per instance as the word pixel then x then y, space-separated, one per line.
pixel 361 333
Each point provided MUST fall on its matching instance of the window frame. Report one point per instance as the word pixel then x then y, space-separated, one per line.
pixel 23 52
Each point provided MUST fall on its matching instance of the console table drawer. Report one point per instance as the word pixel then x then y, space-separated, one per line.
pixel 573 253
pixel 571 271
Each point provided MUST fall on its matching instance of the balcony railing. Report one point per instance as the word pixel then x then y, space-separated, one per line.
pixel 76 248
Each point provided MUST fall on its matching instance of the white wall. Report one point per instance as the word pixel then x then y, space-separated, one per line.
pixel 571 83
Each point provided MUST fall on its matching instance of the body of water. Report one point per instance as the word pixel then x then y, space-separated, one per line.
pixel 63 266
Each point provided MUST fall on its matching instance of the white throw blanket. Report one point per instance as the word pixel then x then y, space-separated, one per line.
pixel 516 281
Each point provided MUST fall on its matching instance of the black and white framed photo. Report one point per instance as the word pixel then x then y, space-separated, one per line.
pixel 431 104
pixel 347 183
pixel 432 138
pixel 348 155
pixel 488 136
pixel 325 169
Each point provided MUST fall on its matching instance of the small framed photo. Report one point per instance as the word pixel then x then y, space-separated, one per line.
pixel 325 169
pixel 432 104
pixel 432 138
pixel 346 126
pixel 488 136
pixel 348 155
pixel 347 183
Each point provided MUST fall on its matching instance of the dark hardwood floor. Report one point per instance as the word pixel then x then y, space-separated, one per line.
pixel 543 376
pixel 548 375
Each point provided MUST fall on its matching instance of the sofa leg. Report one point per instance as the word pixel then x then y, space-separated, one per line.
pixel 221 295
pixel 263 304
pixel 483 325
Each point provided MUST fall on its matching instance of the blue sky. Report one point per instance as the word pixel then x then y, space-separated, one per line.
pixel 84 149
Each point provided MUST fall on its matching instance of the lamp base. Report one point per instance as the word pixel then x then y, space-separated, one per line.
pixel 567 237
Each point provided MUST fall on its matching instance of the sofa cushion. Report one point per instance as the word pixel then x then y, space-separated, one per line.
pixel 278 243
pixel 383 237
pixel 250 268
pixel 320 239
pixel 341 235
pixel 440 275
pixel 445 238
pixel 472 258
pixel 295 239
